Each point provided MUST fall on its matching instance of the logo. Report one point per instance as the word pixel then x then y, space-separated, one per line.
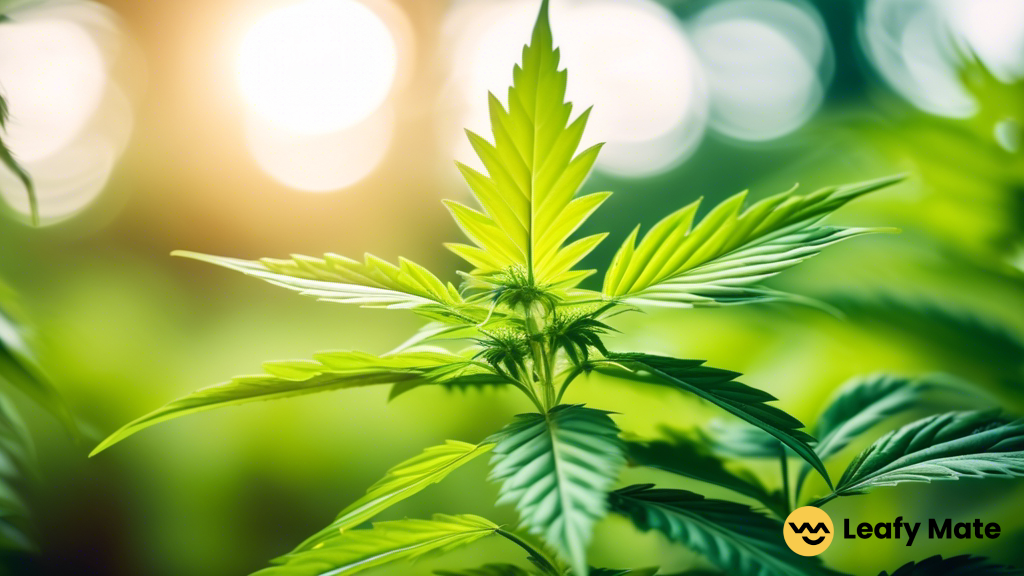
pixel 808 531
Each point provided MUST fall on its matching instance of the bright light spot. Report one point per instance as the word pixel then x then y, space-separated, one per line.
pixel 766 64
pixel 909 44
pixel 318 66
pixel 995 31
pixel 53 76
pixel 321 162
pixel 630 59
pixel 69 123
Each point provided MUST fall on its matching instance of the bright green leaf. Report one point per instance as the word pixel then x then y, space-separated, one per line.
pixel 532 175
pixel 328 371
pixel 404 480
pixel 357 550
pixel 372 283
pixel 723 259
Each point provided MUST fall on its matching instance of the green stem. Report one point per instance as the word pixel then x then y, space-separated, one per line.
pixel 543 561
pixel 822 501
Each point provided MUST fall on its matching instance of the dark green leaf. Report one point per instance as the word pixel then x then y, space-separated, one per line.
pixel 965 565
pixel 944 447
pixel 557 468
pixel 721 388
pixel 732 536
pixel 683 454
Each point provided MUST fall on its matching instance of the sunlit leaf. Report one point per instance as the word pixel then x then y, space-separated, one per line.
pixel 723 259
pixel 404 480
pixel 371 283
pixel 488 570
pixel 557 468
pixel 326 372
pixel 532 175
pixel 720 388
pixel 731 536
pixel 357 550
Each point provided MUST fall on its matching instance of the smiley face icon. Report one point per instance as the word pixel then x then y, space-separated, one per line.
pixel 808 531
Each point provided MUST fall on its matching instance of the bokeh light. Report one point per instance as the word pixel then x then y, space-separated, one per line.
pixel 767 63
pixel 630 59
pixel 321 162
pixel 317 76
pixel 70 122
pixel 318 66
pixel 918 46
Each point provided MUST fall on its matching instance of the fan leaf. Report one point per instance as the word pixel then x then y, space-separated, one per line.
pixel 965 565
pixel 532 175
pixel 947 446
pixel 557 468
pixel 683 454
pixel 357 550
pixel 732 536
pixel 723 258
pixel 328 371
pixel 488 570
pixel 373 283
pixel 720 388
pixel 403 481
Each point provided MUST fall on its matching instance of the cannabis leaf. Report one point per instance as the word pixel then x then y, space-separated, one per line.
pixel 860 405
pixel 404 480
pixel 488 570
pixel 371 283
pixel 12 164
pixel 944 447
pixel 357 550
pixel 557 468
pixel 722 259
pixel 681 453
pixel 965 565
pixel 864 402
pixel 328 371
pixel 721 388
pixel 732 536
pixel 527 194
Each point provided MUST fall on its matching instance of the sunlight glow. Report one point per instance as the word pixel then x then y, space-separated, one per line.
pixel 318 66
pixel 767 63
pixel 70 120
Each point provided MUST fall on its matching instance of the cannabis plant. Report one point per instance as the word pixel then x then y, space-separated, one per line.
pixel 523 321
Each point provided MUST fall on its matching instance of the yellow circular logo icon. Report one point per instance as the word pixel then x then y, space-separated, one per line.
pixel 808 531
